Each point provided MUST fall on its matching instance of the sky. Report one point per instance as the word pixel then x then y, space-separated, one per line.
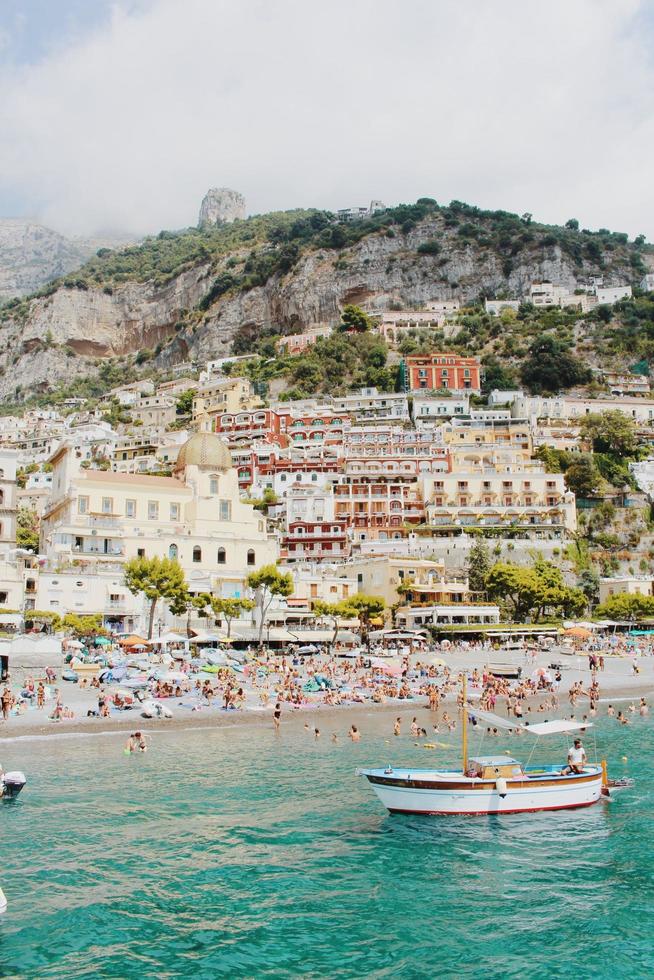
pixel 117 116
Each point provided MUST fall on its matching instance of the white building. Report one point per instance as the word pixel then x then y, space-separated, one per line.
pixel 371 405
pixel 418 617
pixel 195 516
pixel 495 306
pixel 435 410
pixel 613 294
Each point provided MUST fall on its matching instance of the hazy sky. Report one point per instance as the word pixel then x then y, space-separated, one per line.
pixel 119 115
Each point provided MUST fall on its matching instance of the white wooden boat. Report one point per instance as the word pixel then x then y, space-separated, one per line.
pixel 491 784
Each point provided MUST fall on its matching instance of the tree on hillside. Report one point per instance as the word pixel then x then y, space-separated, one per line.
pixel 550 367
pixel 610 432
pixel 532 591
pixel 155 578
pixel 229 609
pixel 266 583
pixel 478 565
pixel 354 318
pixel 629 607
pixel 27 529
pixel 366 608
pixel 184 403
pixel 583 477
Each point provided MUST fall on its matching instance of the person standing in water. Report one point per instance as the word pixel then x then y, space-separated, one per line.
pixel 277 714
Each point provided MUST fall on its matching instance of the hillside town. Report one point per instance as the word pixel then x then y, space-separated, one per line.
pixel 419 496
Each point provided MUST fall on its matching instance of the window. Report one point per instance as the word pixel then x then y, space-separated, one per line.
pixel 82 505
pixel 107 505
pixel 314 477
pixel 174 512
pixel 213 485
pixel 251 557
pixel 197 553
pixel 222 556
pixel 141 552
pixel 3 598
pixel 225 510
pixel 153 510
pixel 173 551
pixel 130 508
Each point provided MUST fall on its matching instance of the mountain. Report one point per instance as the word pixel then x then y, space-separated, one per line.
pixel 32 255
pixel 198 292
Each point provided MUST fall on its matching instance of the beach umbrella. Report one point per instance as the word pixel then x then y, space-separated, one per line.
pixel 133 641
pixel 578 632
pixel 102 641
pixel 75 644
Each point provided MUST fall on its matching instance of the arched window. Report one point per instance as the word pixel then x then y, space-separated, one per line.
pixel 251 558
pixel 222 556
pixel 173 551
pixel 197 553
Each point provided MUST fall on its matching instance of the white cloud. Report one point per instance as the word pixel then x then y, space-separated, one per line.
pixel 525 106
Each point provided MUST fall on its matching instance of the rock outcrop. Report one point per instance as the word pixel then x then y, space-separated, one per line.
pixel 220 205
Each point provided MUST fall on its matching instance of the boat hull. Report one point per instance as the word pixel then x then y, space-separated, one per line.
pixel 441 796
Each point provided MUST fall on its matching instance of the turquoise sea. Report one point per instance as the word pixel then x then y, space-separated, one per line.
pixel 238 853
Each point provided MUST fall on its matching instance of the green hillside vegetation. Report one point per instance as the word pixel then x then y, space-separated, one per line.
pixel 250 251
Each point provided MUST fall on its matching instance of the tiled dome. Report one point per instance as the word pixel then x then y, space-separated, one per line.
pixel 204 449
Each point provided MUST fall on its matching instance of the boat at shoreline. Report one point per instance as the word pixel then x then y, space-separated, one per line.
pixel 491 784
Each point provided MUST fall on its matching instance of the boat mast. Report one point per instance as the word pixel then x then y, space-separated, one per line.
pixel 464 721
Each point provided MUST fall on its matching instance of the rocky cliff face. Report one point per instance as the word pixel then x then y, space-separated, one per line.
pixel 220 204
pixel 32 256
pixel 69 332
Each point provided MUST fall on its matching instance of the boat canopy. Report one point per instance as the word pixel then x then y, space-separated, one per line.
pixel 556 727
pixel 541 728
pixel 495 720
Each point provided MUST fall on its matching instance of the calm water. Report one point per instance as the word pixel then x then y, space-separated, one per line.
pixel 236 853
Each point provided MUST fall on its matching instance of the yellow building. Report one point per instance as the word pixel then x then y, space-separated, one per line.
pixel 382 576
pixel 229 395
pixel 195 516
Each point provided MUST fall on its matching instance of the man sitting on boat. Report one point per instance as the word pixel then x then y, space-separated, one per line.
pixel 576 759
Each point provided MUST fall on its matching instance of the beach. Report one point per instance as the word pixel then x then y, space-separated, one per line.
pixel 617 684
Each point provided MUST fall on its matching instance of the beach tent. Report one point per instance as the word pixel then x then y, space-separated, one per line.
pixel 35 650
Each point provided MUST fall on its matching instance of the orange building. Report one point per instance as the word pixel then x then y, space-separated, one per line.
pixel 438 372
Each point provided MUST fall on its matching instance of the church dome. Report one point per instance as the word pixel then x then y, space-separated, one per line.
pixel 204 449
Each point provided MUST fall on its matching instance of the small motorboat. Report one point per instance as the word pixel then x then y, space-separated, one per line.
pixel 11 783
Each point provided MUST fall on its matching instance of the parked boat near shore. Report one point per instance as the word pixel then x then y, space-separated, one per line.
pixel 492 784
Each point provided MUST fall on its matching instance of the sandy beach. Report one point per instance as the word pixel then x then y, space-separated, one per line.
pixel 617 682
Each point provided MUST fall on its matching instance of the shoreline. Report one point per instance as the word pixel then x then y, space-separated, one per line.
pixel 214 718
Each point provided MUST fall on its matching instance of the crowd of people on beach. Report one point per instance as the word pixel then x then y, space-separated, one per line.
pixel 268 680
